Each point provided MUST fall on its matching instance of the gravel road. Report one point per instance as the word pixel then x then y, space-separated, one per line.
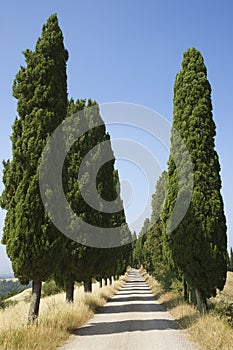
pixel 131 320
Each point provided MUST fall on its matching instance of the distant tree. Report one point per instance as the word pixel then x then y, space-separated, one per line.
pixel 138 254
pixel 133 263
pixel 158 199
pixel 230 260
pixel 153 243
pixel 198 244
pixel 32 241
pixel 9 288
pixel 156 257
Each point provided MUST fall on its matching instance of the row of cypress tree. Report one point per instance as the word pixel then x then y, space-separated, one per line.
pixel 37 249
pixel 195 252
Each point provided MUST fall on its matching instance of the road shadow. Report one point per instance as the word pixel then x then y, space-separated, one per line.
pixel 126 326
pixel 145 308
pixel 135 289
pixel 124 299
pixel 135 281
pixel 139 291
pixel 133 292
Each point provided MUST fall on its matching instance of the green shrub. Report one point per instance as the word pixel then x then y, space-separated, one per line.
pixel 225 310
pixel 50 288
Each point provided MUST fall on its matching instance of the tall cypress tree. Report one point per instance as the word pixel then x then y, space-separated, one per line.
pixel 41 90
pixel 198 244
pixel 80 262
pixel 65 272
pixel 105 261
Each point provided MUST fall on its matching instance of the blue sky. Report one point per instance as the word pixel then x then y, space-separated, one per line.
pixel 126 51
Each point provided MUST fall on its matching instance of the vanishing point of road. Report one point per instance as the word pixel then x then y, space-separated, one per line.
pixel 131 320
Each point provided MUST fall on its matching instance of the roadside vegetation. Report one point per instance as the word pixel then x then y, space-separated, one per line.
pixel 11 287
pixel 211 331
pixel 58 319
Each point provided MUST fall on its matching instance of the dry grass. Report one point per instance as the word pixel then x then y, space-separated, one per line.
pixel 209 331
pixel 21 296
pixel 212 333
pixel 57 321
pixel 227 293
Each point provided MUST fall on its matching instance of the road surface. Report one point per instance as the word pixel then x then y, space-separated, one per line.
pixel 131 320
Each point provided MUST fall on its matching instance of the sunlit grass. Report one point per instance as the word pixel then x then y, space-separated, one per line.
pixel 57 320
pixel 209 331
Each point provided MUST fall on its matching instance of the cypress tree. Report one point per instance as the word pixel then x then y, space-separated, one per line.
pixel 79 262
pixel 32 241
pixel 228 261
pixel 231 260
pixel 66 270
pixel 108 261
pixel 153 244
pixel 198 245
pixel 133 244
pixel 139 253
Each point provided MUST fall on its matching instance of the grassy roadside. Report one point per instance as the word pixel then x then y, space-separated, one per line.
pixel 210 332
pixel 57 319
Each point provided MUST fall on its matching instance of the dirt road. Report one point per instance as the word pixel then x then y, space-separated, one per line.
pixel 131 320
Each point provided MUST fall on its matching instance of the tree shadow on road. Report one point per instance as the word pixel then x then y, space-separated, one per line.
pixel 138 292
pixel 124 299
pixel 126 326
pixel 145 308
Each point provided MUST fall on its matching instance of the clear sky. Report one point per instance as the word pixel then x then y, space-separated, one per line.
pixel 126 51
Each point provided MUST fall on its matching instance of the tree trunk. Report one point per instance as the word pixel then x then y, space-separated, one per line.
pixel 110 280
pixel 35 302
pixel 101 283
pixel 70 292
pixel 192 296
pixel 106 281
pixel 186 297
pixel 201 301
pixel 88 285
